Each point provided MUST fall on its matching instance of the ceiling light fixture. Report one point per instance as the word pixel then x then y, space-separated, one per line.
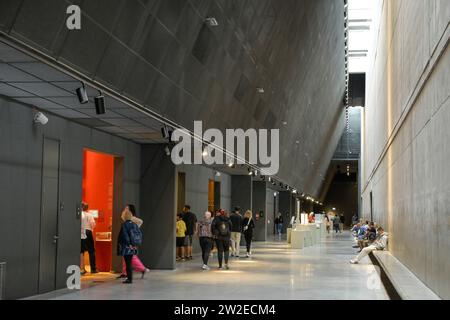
pixel 82 94
pixel 100 103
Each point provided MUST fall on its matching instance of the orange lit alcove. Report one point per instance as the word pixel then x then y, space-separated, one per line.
pixel 98 192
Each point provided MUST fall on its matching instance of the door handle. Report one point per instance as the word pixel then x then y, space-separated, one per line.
pixel 55 239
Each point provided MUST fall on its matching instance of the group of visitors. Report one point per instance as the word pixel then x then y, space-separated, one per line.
pixel 186 227
pixel 368 237
pixel 130 237
pixel 336 221
pixel 279 224
pixel 223 230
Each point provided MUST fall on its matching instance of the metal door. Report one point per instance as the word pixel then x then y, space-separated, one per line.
pixel 49 216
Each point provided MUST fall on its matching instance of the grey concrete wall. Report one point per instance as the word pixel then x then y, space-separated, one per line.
pixel 158 207
pixel 406 134
pixel 259 202
pixel 285 207
pixel 197 178
pixel 20 190
pixel 241 192
pixel 344 197
pixel 271 205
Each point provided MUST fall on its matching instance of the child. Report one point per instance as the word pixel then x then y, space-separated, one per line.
pixel 181 235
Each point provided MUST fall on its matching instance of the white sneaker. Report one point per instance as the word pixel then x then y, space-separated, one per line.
pixel 247 255
pixel 205 267
pixel 353 261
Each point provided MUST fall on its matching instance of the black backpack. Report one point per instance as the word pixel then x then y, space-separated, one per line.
pixel 223 228
pixel 135 234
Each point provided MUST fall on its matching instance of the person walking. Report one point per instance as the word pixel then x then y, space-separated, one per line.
pixel 279 224
pixel 221 228
pixel 236 230
pixel 205 237
pixel 342 222
pixel 190 219
pixel 87 239
pixel 136 263
pixel 328 223
pixel 336 223
pixel 248 226
pixel 130 237
pixel 355 219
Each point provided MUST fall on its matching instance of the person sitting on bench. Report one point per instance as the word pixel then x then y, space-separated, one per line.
pixel 379 244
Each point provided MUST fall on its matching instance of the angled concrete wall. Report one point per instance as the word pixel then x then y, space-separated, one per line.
pixel 406 134
pixel 161 54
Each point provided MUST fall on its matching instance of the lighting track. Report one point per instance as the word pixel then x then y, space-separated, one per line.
pixel 66 69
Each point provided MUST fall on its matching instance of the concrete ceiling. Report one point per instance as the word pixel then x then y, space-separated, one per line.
pixel 161 54
pixel 35 83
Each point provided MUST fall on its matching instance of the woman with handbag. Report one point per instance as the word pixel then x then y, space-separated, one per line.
pixel 248 226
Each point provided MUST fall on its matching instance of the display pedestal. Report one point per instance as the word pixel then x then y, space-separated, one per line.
pixel 297 239
pixel 323 229
pixel 306 235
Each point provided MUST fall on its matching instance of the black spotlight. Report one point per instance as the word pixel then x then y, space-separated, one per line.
pixel 100 104
pixel 82 94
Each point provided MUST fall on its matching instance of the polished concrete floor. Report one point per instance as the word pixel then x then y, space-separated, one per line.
pixel 273 272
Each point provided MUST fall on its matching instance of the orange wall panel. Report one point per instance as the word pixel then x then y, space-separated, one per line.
pixel 98 176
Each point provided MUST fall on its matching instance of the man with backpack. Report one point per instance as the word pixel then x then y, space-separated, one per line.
pixel 221 228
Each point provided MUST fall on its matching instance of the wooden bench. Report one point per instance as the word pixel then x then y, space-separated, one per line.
pixel 405 283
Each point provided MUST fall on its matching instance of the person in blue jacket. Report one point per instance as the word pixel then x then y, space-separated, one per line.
pixel 125 244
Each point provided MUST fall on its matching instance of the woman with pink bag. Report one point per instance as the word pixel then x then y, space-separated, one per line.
pixel 136 263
